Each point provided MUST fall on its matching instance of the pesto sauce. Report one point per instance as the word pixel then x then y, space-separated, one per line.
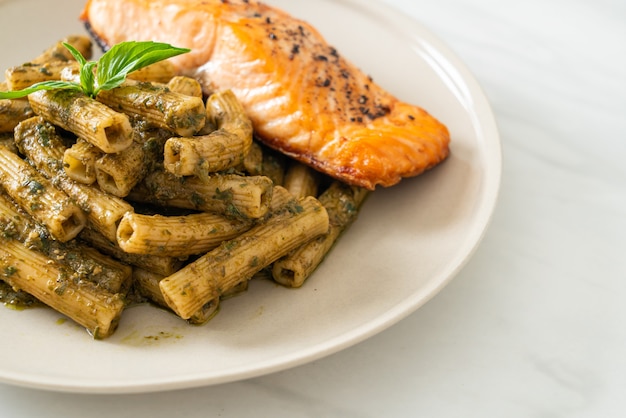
pixel 16 299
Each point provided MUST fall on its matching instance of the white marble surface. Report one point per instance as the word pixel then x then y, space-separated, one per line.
pixel 535 324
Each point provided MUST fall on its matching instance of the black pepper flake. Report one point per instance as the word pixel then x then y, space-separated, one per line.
pixel 268 20
pixel 362 99
pixel 323 83
pixel 411 117
pixel 273 37
pixel 321 58
pixel 295 49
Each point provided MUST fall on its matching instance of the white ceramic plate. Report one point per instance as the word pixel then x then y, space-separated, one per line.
pixel 407 244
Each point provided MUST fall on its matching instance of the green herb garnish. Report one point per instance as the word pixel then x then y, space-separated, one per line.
pixel 109 71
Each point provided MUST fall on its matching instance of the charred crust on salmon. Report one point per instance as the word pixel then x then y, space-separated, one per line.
pixel 94 35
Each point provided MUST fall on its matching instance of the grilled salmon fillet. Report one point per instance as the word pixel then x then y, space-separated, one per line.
pixel 303 97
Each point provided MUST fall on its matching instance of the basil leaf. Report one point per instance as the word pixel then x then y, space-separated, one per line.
pixel 126 57
pixel 44 85
pixel 88 78
pixel 111 69
pixel 75 53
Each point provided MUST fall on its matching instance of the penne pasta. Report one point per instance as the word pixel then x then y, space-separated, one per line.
pixel 159 72
pixel 342 202
pixel 87 118
pixel 185 85
pixel 263 161
pixel 41 199
pixel 178 113
pixel 301 180
pixel 147 284
pixel 224 148
pixel 118 173
pixel 79 161
pixel 228 194
pixel 85 262
pixel 12 112
pixel 97 310
pixel 25 75
pixel 162 265
pixel 148 192
pixel 237 260
pixel 176 236
pixel 38 140
pixel 58 52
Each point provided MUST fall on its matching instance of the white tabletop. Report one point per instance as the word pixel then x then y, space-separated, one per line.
pixel 535 324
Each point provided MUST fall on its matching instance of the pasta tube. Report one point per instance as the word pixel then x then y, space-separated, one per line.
pixel 41 199
pixel 58 52
pixel 263 161
pixel 253 160
pixel 12 111
pixel 79 161
pixel 220 150
pixel 147 285
pixel 8 141
pixel 47 280
pixel 38 140
pixel 185 85
pixel 178 113
pixel 163 265
pixel 159 72
pixel 301 180
pixel 235 261
pixel 85 262
pixel 88 119
pixel 118 173
pixel 342 203
pixel 176 236
pixel 25 75
pixel 229 194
